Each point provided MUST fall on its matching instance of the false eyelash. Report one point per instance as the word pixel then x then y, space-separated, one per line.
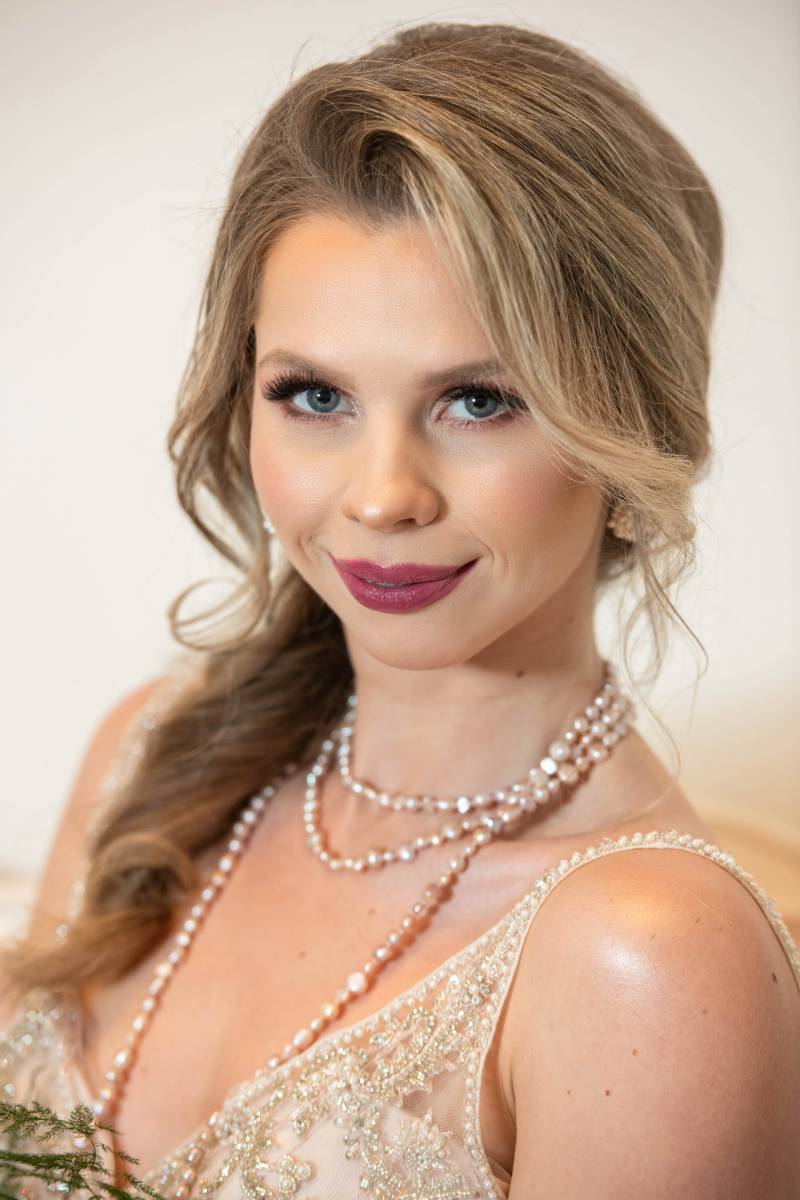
pixel 285 385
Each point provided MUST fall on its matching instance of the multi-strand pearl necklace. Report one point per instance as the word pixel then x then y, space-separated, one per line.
pixel 589 738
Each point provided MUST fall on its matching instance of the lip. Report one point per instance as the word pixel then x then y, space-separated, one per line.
pixel 372 572
pixel 428 583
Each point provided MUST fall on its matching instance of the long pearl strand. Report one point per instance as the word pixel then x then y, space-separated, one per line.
pixel 606 716
pixel 106 1102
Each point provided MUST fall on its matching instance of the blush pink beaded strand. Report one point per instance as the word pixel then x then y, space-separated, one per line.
pixel 588 740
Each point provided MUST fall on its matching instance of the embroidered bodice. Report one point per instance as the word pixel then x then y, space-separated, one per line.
pixel 384 1109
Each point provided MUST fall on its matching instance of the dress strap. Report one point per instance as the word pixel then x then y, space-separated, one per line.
pixel 507 955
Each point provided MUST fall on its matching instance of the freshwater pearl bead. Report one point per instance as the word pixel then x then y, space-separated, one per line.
pixel 559 751
pixel 357 983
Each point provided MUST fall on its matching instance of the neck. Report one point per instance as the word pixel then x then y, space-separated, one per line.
pixel 469 729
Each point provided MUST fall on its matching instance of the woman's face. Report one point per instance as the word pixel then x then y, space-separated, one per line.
pixel 378 456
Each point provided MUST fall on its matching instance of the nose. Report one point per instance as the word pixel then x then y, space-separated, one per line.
pixel 390 481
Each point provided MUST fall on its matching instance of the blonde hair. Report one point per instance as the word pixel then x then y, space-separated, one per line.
pixel 590 242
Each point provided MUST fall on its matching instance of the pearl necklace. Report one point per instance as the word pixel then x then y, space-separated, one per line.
pixel 556 772
pixel 588 741
pixel 106 1102
pixel 591 736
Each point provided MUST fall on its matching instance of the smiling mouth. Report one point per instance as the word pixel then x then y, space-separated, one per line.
pixel 411 582
pixel 398 575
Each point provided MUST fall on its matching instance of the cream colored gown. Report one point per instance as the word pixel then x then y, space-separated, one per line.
pixel 385 1109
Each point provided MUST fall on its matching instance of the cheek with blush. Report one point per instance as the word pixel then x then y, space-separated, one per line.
pixel 537 518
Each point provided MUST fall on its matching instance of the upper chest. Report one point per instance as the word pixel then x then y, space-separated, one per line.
pixel 275 948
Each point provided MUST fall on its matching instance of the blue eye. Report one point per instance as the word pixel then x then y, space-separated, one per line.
pixel 290 384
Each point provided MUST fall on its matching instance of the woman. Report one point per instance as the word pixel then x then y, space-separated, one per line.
pixel 453 356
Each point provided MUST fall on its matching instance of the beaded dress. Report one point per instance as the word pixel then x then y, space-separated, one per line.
pixel 386 1108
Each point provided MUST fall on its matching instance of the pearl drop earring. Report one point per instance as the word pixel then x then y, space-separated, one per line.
pixel 270 528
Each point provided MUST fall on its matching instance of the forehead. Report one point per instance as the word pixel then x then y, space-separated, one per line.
pixel 327 276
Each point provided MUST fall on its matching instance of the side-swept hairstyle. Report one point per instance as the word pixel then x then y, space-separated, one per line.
pixel 589 243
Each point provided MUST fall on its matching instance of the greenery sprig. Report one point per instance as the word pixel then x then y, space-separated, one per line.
pixel 64 1172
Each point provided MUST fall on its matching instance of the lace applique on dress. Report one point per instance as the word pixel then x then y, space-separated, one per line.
pixel 358 1087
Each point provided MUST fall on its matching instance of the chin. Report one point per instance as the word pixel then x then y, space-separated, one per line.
pixel 396 650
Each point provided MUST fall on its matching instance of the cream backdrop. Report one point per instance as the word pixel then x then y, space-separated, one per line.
pixel 121 126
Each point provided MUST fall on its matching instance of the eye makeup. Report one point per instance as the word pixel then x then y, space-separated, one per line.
pixel 284 386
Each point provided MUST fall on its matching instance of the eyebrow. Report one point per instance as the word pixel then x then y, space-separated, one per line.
pixel 286 358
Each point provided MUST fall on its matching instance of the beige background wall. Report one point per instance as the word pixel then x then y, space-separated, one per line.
pixel 121 123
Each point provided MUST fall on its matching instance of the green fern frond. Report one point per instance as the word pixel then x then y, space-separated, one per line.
pixel 69 1172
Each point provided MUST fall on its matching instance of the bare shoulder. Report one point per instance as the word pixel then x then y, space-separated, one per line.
pixel 97 760
pixel 654 1030
pixel 106 751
